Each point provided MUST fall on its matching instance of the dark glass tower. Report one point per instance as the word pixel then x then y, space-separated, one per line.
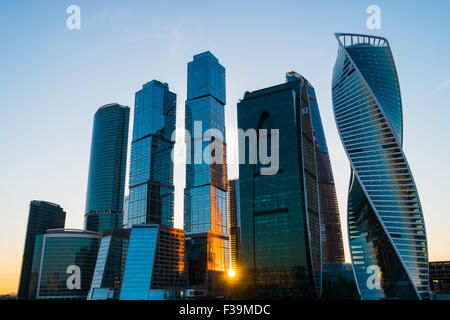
pixel 42 216
pixel 107 166
pixel 386 228
pixel 280 213
pixel 151 168
pixel 205 205
pixel 234 224
pixel 330 223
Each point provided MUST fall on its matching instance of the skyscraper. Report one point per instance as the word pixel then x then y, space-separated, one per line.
pixel 234 224
pixel 280 211
pixel 151 168
pixel 43 215
pixel 154 268
pixel 388 242
pixel 107 166
pixel 205 205
pixel 330 223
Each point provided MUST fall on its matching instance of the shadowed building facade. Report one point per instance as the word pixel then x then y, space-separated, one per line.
pixel 280 212
pixel 339 282
pixel 440 279
pixel 151 168
pixel 330 222
pixel 107 167
pixel 388 242
pixel 234 224
pixel 67 263
pixel 42 216
pixel 205 202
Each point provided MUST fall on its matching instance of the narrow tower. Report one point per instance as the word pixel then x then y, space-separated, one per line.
pixel 205 205
pixel 330 223
pixel 107 166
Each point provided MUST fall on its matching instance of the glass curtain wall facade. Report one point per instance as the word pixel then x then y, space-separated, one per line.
pixel 280 213
pixel 234 224
pixel 339 282
pixel 205 205
pixel 67 263
pixel 385 220
pixel 42 215
pixel 440 277
pixel 125 211
pixel 154 267
pixel 330 222
pixel 109 268
pixel 107 167
pixel 34 278
pixel 151 193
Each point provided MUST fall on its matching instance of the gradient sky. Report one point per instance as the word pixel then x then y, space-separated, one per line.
pixel 53 80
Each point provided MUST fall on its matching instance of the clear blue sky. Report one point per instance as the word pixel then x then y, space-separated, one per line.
pixel 53 80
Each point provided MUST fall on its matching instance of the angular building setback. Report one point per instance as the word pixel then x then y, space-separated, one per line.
pixel 154 268
pixel 67 263
pixel 151 194
pixel 205 204
pixel 110 265
pixel 107 166
pixel 42 216
pixel 280 220
pixel 388 242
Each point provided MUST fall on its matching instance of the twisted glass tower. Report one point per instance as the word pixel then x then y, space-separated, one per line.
pixel 386 228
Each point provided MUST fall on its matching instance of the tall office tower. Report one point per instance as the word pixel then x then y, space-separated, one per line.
pixel 388 242
pixel 205 205
pixel 110 265
pixel 67 263
pixel 280 209
pixel 154 268
pixel 107 166
pixel 330 223
pixel 42 216
pixel 151 168
pixel 234 225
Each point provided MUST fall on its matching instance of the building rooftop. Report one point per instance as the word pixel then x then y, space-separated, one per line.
pixel 354 39
pixel 72 231
pixel 109 105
